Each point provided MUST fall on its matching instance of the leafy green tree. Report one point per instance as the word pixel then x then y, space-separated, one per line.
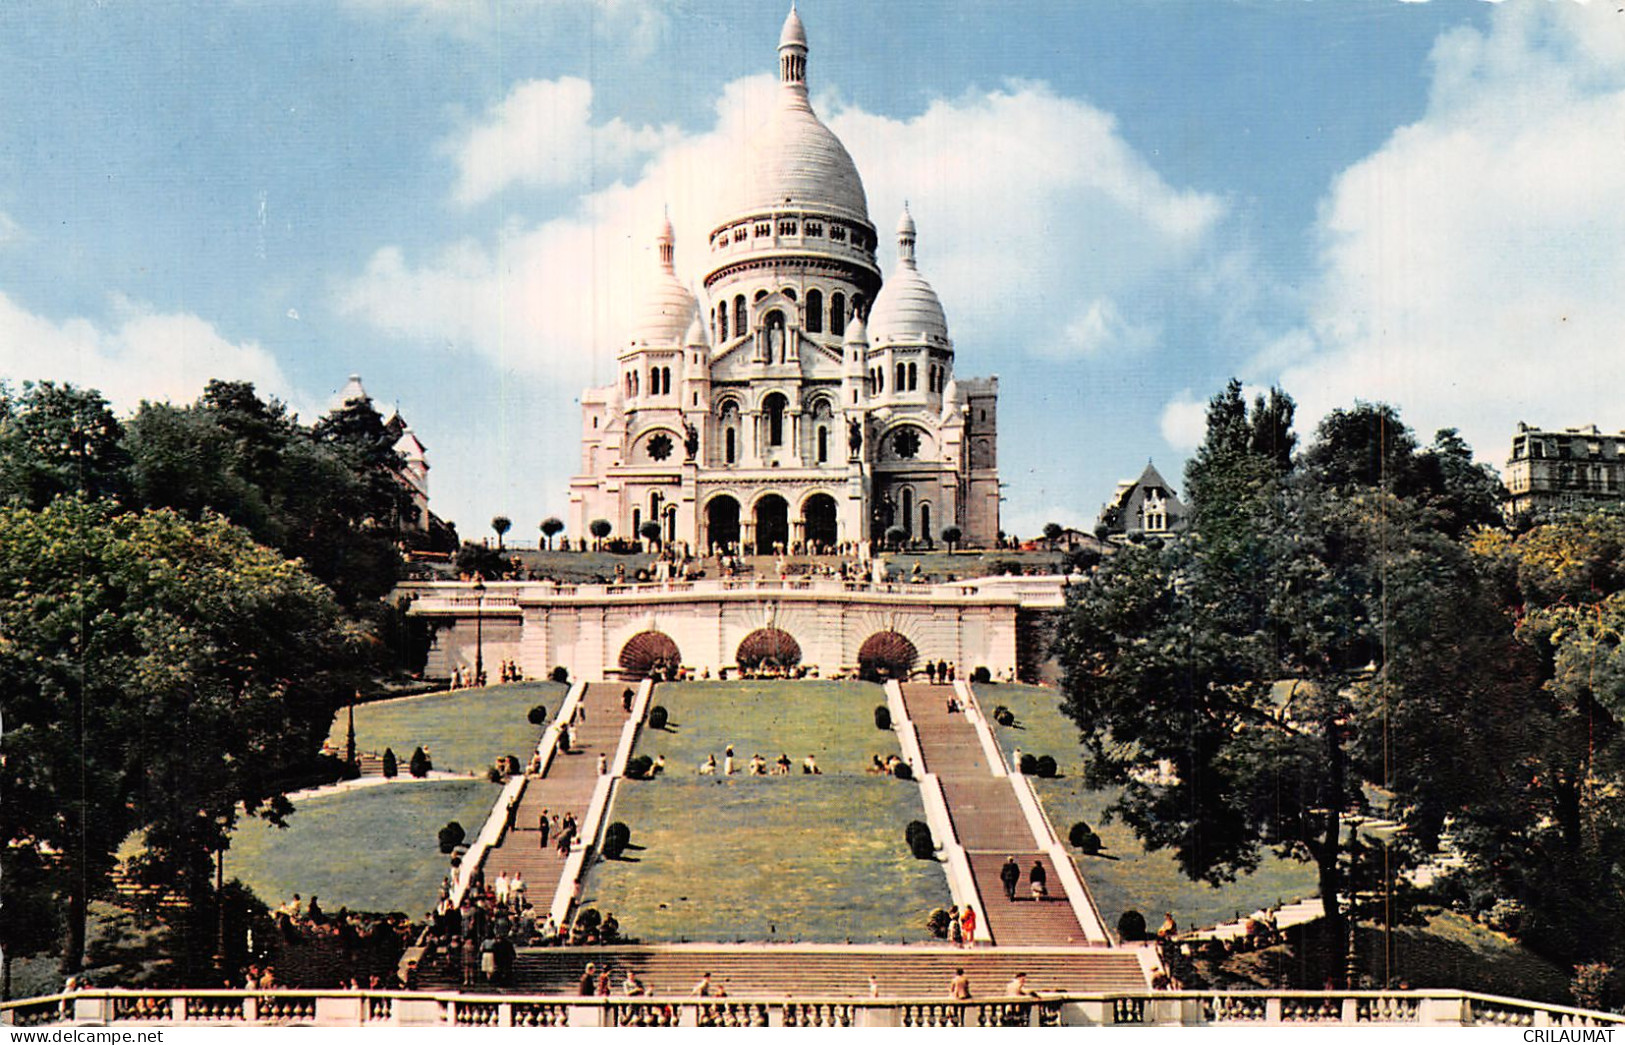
pixel 160 674
pixel 650 531
pixel 600 529
pixel 951 536
pixel 483 561
pixel 500 525
pixel 1052 531
pixel 551 527
pixel 56 440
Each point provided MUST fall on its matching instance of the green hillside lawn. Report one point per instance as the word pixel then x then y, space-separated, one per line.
pixel 464 732
pixel 369 849
pixel 1148 882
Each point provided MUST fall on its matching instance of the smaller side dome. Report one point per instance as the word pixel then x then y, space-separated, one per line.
pixel 696 333
pixel 856 334
pixel 907 309
pixel 669 307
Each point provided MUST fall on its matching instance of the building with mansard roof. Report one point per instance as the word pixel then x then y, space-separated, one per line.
pixel 798 398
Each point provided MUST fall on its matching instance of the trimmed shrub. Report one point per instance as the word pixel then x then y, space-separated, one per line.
pixel 589 920
pixel 537 715
pixel 561 674
pixel 903 771
pixel 1029 764
pixel 1004 716
pixel 937 922
pixel 420 765
pixel 494 774
pixel 1045 767
pixel 882 716
pixel 638 767
pixel 981 676
pixel 1131 927
pixel 657 717
pixel 392 765
pixel 1084 839
pixel 451 836
pixel 918 836
pixel 616 839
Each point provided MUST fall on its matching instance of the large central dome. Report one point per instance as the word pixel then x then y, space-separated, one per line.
pixel 794 160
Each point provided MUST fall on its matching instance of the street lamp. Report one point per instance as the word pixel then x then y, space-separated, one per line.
pixel 479 630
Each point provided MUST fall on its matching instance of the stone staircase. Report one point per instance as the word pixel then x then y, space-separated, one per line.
pixel 769 970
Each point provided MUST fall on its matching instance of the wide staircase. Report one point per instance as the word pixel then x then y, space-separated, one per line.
pixel 767 970
pixel 567 787
pixel 991 827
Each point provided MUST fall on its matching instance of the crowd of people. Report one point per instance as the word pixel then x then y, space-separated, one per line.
pixel 757 766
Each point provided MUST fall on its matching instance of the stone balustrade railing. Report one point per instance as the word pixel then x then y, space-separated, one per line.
pixel 503 598
pixel 338 1008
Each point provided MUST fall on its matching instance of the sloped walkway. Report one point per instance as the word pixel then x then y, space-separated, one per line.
pixel 567 788
pixel 990 824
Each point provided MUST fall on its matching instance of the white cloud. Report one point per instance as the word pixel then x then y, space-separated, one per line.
pixel 542 135
pixel 143 355
pixel 1184 421
pixel 1471 266
pixel 1059 239
pixel 11 233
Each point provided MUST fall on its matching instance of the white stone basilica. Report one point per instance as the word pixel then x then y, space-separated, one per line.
pixel 808 402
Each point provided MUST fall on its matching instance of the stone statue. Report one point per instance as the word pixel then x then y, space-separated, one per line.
pixel 854 435
pixel 691 440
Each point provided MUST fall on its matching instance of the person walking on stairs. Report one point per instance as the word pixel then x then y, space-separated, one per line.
pixel 1010 877
pixel 1039 879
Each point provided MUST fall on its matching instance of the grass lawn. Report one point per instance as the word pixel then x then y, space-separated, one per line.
pixel 464 731
pixel 818 859
pixel 769 858
pixel 372 849
pixel 1148 882
pixel 834 721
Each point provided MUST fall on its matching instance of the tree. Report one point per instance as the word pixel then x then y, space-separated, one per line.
pixel 391 763
pixel 600 529
pixel 551 527
pixel 951 536
pixel 650 531
pixel 1268 656
pixel 56 440
pixel 159 673
pixel 501 524
pixel 483 561
pixel 1053 531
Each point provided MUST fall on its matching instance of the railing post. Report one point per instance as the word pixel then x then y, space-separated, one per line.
pixel 1442 1012
pixel 251 1009
pixel 1350 1014
pixel 1272 1012
pixel 338 1012
pixel 587 1015
pixel 877 1016
pixel 96 1010
pixel 1086 1013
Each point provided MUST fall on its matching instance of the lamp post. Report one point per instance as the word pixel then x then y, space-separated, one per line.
pixel 479 630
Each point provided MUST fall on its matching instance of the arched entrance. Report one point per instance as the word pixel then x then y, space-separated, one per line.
pixel 886 655
pixel 722 521
pixel 768 649
pixel 772 524
pixel 648 653
pixel 818 515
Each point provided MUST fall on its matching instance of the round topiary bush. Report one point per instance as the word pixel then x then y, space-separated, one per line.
pixel 451 836
pixel 918 836
pixel 1004 716
pixel 903 771
pixel 882 716
pixel 392 766
pixel 560 674
pixel 420 765
pixel 1084 839
pixel 616 839
pixel 638 767
pixel 937 923
pixel 1131 927
pixel 657 717
pixel 537 715
pixel 1029 764
pixel 981 676
pixel 1045 767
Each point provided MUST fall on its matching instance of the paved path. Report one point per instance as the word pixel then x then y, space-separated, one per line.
pixel 990 825
pixel 567 787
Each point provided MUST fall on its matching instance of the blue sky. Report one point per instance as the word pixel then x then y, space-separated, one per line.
pixel 1121 205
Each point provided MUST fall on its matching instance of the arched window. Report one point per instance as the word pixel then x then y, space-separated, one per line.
pixel 728 446
pixel 654 380
pixel 925 521
pixel 739 315
pixel 789 292
pixel 823 445
pixel 654 505
pixel 665 380
pixel 776 349
pixel 774 408
pixel 901 384
pixel 908 512
pixel 722 321
pixel 837 313
pixel 815 312
pixel 857 306
pixel 913 377
pixel 760 294
pixel 880 379
pixel 637 517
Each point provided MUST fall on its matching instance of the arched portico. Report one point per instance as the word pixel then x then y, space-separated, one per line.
pixel 768 648
pixel 772 515
pixel 721 521
pixel 648 652
pixel 819 521
pixel 887 655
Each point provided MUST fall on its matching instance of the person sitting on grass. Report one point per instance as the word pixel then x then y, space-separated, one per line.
pixel 783 764
pixel 809 767
pixel 758 765
pixel 709 766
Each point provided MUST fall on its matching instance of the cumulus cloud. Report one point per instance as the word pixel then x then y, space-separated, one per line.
pixel 1184 421
pixel 542 135
pixel 142 355
pixel 1053 180
pixel 10 232
pixel 1471 266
